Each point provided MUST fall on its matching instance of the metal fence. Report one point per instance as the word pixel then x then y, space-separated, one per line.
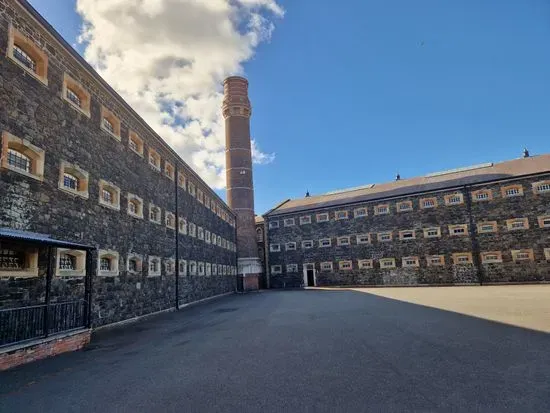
pixel 38 321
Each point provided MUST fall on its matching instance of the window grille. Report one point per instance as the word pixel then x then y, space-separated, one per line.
pixel 18 160
pixel 132 206
pixel 432 233
pixel 543 188
pixel 518 224
pixel 24 58
pixel 67 262
pixel 73 97
pixel 463 258
pixel 487 228
pixel 108 125
pixel 105 264
pixel 482 195
pixel 405 206
pixel 429 203
pixel 382 210
pixel 512 192
pixel 456 199
pixel 11 260
pixel 107 196
pixel 134 145
pixel 70 181
pixel 154 214
pixel 154 266
pixel 523 256
pixel 133 265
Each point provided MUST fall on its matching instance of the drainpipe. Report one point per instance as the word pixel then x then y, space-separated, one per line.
pixel 177 239
pixel 473 236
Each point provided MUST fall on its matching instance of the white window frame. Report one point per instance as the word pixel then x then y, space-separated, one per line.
pixel 344 215
pixel 274 247
pixel 329 240
pixel 158 272
pixel 387 263
pixel 365 264
pixel 306 219
pixel 290 246
pixel 343 241
pixel 322 217
pixel 410 262
pixel 345 265
pixel 307 244
pixel 326 266
pixel 380 235
pixel 289 222
pixel 276 269
pixel 358 214
pixel 359 241
pixel 292 268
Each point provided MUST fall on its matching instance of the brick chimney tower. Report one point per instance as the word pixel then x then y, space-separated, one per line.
pixel 240 187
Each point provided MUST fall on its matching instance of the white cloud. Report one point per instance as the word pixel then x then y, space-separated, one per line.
pixel 168 59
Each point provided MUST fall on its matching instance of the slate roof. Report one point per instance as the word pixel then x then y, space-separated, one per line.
pixel 432 182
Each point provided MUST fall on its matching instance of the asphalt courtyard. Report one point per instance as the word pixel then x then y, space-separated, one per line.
pixel 305 351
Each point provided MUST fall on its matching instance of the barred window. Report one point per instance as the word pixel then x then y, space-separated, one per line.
pixel 67 262
pixel 132 265
pixel 24 58
pixel 18 160
pixel 480 196
pixel 73 97
pixel 107 196
pixel 70 181
pixel 105 264
pixel 133 207
pixel 11 260
pixel 154 266
pixel 108 125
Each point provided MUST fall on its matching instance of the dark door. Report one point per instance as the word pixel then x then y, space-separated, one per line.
pixel 310 278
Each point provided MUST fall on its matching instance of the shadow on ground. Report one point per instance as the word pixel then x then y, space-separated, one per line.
pixel 294 351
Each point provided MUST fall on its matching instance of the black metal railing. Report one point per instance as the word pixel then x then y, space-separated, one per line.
pixel 38 321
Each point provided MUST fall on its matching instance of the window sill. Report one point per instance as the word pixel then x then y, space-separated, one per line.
pixel 27 273
pixel 135 215
pixel 172 228
pixel 154 222
pixel 70 273
pixel 111 134
pixel 137 153
pixel 42 80
pixel 108 273
pixel 170 178
pixel 110 206
pixel 24 173
pixel 154 275
pixel 82 194
pixel 154 167
pixel 77 108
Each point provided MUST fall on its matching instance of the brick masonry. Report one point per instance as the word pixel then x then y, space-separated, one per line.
pixel 39 114
pixel 10 358
pixel 499 209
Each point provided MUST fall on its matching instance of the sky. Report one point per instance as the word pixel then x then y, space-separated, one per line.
pixel 344 93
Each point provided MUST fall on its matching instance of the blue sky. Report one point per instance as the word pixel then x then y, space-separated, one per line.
pixel 349 93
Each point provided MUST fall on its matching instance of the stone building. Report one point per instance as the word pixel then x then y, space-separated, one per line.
pixel 78 164
pixel 485 224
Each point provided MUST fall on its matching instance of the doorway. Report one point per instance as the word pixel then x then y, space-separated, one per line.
pixel 309 275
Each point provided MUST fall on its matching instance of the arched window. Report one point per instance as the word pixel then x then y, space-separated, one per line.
pixel 70 181
pixel 28 55
pixel 23 57
pixel 259 235
pixel 19 160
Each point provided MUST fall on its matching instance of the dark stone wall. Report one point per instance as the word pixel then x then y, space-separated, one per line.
pixel 36 112
pixel 499 209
